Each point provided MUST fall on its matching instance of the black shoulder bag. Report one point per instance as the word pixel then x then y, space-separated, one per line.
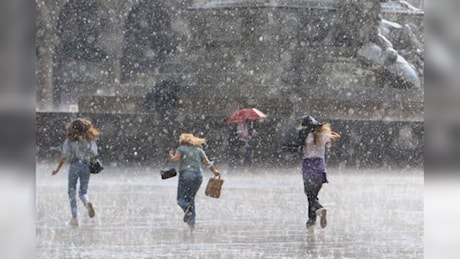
pixel 95 165
pixel 168 172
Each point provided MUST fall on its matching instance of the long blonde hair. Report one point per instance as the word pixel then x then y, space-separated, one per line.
pixel 191 140
pixel 82 129
pixel 324 129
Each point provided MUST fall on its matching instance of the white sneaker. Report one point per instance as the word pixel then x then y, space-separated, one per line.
pixel 91 212
pixel 187 213
pixel 310 224
pixel 74 222
pixel 322 212
pixel 192 227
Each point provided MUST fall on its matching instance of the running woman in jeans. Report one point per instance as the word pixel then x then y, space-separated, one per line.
pixel 317 138
pixel 190 156
pixel 78 149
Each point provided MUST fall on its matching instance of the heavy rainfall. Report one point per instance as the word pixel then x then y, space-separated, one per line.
pixel 145 72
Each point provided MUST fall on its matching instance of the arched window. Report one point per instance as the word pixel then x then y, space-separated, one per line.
pixel 79 28
pixel 148 39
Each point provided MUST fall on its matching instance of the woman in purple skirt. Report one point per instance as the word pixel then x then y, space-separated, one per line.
pixel 316 137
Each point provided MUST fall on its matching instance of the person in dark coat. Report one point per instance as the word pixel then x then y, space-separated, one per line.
pixel 163 97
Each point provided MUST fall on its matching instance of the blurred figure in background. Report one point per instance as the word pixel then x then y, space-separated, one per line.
pixel 163 97
pixel 78 149
pixel 245 134
pixel 240 143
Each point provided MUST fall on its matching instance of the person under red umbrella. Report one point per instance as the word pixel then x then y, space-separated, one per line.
pixel 241 115
pixel 241 143
pixel 243 131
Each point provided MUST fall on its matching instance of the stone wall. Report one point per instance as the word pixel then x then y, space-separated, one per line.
pixel 144 139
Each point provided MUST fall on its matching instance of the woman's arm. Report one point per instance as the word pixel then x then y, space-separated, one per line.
pixel 175 155
pixel 61 162
pixel 212 167
pixel 335 135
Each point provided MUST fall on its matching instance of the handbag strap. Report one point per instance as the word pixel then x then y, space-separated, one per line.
pixel 166 162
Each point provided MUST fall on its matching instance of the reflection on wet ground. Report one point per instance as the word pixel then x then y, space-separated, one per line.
pixel 371 214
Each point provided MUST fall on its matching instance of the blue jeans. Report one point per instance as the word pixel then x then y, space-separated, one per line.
pixel 78 170
pixel 189 183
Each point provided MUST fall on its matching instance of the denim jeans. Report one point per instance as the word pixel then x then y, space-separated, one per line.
pixel 189 183
pixel 78 170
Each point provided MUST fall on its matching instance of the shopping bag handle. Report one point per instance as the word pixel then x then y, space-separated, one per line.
pixel 216 176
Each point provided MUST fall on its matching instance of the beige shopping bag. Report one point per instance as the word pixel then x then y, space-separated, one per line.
pixel 214 187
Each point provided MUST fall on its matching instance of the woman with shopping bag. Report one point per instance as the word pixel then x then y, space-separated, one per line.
pixel 190 156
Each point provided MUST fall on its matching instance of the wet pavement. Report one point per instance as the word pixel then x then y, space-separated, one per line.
pixel 261 214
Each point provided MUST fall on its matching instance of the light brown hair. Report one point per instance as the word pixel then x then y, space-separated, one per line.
pixel 324 129
pixel 82 129
pixel 191 140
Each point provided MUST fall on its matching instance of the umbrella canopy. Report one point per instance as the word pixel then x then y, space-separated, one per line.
pixel 245 114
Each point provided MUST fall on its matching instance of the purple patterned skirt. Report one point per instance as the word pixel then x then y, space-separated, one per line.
pixel 314 168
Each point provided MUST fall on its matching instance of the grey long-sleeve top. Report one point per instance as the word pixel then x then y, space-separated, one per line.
pixel 78 150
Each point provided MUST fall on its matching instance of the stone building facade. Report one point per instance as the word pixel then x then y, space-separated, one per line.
pixel 287 57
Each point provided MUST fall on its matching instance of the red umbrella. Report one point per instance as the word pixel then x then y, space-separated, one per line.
pixel 245 113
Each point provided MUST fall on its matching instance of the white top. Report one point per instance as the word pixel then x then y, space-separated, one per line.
pixel 311 150
pixel 242 130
